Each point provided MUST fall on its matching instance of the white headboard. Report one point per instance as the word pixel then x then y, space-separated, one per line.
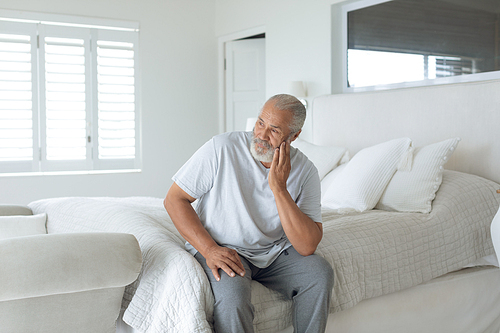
pixel 429 114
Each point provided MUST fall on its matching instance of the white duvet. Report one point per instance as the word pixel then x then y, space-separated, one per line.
pixel 372 253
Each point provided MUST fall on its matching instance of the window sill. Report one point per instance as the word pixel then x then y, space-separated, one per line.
pixel 68 173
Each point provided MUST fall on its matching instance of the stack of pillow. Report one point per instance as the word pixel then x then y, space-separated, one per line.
pixel 392 175
pixel 325 158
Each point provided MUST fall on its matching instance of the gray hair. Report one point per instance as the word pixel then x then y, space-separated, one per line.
pixel 293 105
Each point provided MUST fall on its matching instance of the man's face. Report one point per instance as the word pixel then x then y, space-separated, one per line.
pixel 271 129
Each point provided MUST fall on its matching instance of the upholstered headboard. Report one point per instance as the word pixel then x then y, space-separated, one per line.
pixel 430 114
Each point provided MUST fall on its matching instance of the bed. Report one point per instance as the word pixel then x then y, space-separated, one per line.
pixel 394 271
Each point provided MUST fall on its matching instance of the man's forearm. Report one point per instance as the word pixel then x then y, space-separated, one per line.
pixel 188 223
pixel 301 230
pixel 178 205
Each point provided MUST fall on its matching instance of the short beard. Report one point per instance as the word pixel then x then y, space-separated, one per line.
pixel 262 155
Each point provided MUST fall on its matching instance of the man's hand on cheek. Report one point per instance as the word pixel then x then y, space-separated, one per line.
pixel 280 167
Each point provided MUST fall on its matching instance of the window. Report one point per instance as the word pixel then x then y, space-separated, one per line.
pixel 371 68
pixel 68 95
pixel 399 43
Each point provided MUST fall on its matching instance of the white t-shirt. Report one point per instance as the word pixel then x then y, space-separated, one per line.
pixel 235 202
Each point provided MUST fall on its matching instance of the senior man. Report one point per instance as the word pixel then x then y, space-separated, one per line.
pixel 258 218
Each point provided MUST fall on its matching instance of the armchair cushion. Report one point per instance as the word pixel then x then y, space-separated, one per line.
pixel 22 225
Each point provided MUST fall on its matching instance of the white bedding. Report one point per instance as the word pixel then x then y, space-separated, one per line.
pixel 372 253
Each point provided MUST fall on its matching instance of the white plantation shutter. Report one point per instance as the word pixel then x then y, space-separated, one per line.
pixel 17 100
pixel 115 86
pixel 68 97
pixel 65 108
pixel 115 82
pixel 16 130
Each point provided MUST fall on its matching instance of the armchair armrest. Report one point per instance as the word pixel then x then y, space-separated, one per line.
pixel 14 210
pixel 42 265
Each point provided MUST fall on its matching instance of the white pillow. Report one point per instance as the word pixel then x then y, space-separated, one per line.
pixel 22 225
pixel 359 186
pixel 414 191
pixel 325 158
pixel 328 180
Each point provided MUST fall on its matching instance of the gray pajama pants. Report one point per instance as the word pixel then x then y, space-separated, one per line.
pixel 308 281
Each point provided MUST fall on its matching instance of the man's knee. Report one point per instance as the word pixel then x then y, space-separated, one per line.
pixel 317 264
pixel 310 271
pixel 320 271
pixel 232 292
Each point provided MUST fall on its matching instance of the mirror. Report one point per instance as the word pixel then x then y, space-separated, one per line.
pixel 418 42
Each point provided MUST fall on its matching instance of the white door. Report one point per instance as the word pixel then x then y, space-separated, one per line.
pixel 245 81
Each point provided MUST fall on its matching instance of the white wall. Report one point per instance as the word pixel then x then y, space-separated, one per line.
pixel 178 51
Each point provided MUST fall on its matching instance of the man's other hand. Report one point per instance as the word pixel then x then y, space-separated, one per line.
pixel 219 257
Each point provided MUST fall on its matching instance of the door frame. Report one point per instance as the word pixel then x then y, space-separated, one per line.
pixel 221 71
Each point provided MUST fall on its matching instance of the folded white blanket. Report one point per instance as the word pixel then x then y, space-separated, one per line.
pixel 372 253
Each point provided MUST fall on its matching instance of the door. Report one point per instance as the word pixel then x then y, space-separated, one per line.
pixel 245 81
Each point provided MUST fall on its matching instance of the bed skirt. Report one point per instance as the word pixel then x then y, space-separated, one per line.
pixel 466 301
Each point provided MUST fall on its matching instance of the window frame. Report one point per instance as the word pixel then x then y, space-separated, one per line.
pixel 39 25
pixel 345 9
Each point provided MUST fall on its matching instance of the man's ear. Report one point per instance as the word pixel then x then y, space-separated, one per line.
pixel 295 136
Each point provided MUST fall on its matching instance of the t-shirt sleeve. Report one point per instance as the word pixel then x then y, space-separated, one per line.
pixel 309 200
pixel 196 176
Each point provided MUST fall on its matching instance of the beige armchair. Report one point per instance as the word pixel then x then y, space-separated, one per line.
pixel 64 282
